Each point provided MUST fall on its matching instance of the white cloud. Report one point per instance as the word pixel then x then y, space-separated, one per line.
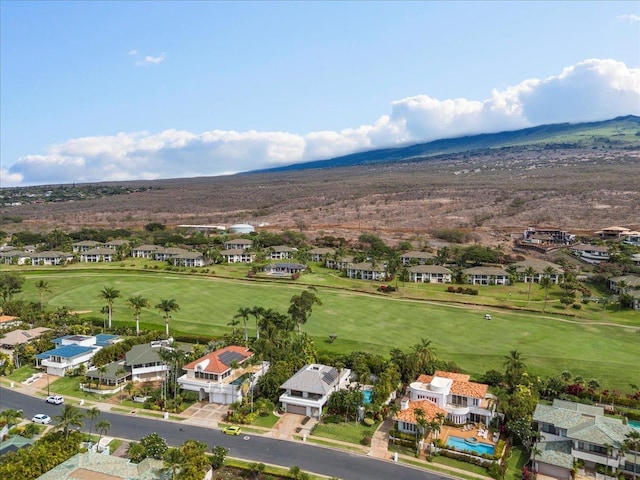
pixel 149 60
pixel 132 52
pixel 590 90
pixel 630 17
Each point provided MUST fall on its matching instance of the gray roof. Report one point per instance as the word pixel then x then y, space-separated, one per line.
pixel 322 251
pixel 429 269
pixel 583 247
pixel 368 267
pixel 143 353
pixel 103 466
pixel 146 248
pixel 485 271
pixel 87 243
pixel 632 280
pixel 51 254
pixel 538 265
pixel 555 453
pixel 582 422
pixel 313 378
pixel 100 251
pixel 16 337
pixel 110 374
pixel 283 248
pixel 239 241
pixel 235 251
pixel 189 255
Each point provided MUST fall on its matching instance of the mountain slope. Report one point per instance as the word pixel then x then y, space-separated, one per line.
pixel 620 132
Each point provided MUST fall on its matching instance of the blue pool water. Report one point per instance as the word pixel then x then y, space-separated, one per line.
pixel 461 444
pixel 634 424
pixel 367 396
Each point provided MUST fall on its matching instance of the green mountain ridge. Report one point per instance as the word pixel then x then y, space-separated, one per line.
pixel 620 132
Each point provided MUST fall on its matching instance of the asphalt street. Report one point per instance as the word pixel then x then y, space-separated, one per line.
pixel 253 448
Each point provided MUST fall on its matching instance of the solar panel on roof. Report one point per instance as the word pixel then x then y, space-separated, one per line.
pixel 330 376
pixel 228 357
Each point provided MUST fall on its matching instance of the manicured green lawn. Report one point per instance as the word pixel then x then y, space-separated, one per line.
pixel 69 387
pixel 370 322
pixel 267 421
pixel 346 432
pixel 22 373
pixel 518 458
pixel 452 462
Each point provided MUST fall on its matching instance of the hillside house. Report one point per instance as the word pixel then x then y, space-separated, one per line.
pixel 145 251
pixel 429 274
pixel 486 276
pixel 321 253
pixel 238 255
pixel 238 243
pixel 593 254
pixel 367 271
pixel 539 266
pixel 416 258
pixel 96 255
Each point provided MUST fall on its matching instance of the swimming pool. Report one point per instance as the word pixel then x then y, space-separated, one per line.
pixel 462 444
pixel 367 396
pixel 634 424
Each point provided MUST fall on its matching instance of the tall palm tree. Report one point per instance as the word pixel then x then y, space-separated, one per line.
pixel 173 460
pixel 69 417
pixel 102 427
pixel 515 367
pixel 257 313
pixel 244 314
pixel 109 294
pixel 43 287
pixel 138 302
pixel 424 352
pixel 92 414
pixel 529 275
pixel 167 306
pixel 545 283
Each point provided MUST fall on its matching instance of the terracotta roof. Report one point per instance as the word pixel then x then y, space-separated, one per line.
pixel 8 318
pixel 461 384
pixel 430 410
pixel 212 362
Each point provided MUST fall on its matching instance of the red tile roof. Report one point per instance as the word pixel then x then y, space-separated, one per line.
pixel 212 362
pixel 430 410
pixel 461 384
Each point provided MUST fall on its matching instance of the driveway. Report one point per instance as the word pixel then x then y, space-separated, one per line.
pixel 205 414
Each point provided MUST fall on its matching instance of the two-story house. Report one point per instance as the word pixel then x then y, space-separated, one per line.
pixel 281 252
pixel 144 362
pixel 85 245
pixel 321 253
pixel 539 267
pixel 574 432
pixel 367 271
pixel 591 253
pixel 72 351
pixel 96 255
pixel 308 390
pixel 416 258
pixel 51 257
pixel 145 251
pixel 429 274
pixel 486 276
pixel 238 243
pixel 238 255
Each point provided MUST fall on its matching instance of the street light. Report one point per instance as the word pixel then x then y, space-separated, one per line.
pixel 47 384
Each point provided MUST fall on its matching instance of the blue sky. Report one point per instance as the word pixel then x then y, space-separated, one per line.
pixel 96 91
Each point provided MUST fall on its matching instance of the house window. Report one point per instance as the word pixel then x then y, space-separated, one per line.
pixel 459 400
pixel 597 449
pixel 296 393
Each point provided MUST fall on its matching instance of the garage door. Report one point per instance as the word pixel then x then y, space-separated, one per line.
pixel 296 409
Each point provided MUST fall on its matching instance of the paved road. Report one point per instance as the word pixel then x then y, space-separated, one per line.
pixel 309 458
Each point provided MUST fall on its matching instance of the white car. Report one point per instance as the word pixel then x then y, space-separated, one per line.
pixel 41 418
pixel 55 399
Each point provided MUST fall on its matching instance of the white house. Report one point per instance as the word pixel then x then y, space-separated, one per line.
pixel 308 390
pixel 429 274
pixel 539 266
pixel 144 251
pixel 416 258
pixel 281 252
pixel 52 257
pixel 591 253
pixel 144 362
pixel 96 255
pixel 72 351
pixel 215 379
pixel 486 276
pixel 238 243
pixel 85 245
pixel 367 271
pixel 188 259
pixel 319 254
pixel 238 255
pixel 632 238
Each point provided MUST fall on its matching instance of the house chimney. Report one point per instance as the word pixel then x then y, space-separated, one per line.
pixel 404 403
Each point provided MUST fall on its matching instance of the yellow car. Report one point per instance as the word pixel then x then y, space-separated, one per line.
pixel 231 430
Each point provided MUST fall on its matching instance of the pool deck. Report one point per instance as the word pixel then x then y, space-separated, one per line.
pixel 458 432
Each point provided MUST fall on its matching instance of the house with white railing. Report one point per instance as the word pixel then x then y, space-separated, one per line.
pixel 72 351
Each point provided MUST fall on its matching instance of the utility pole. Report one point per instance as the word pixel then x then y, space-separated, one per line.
pixel 47 384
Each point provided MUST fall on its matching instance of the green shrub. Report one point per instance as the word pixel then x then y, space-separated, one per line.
pixel 369 422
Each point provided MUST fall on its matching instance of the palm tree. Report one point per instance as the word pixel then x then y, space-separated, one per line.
pixel 632 443
pixel 424 352
pixel 69 417
pixel 545 283
pixel 102 427
pixel 42 286
pixel 257 313
pixel 130 388
pixel 421 425
pixel 102 369
pixel 244 314
pixel 529 275
pixel 109 294
pixel 173 461
pixel 515 367
pixel 138 303
pixel 92 414
pixel 167 306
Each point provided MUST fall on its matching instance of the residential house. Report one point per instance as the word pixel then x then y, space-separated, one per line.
pixel 85 245
pixel 463 401
pixel 635 258
pixel 238 255
pixel 115 244
pixel 367 271
pixel 416 258
pixel 115 374
pixel 188 259
pixel 539 266
pixel 340 263
pixel 429 274
pixel 281 252
pixel 214 377
pixel 591 253
pixel 572 432
pixel 8 321
pixel 72 351
pixel 145 251
pixel 308 390
pixel 486 276
pixel 405 419
pixel 632 238
pixel 14 257
pixel 144 362
pixel 97 255
pixel 97 466
pixel 321 253
pixel 613 233
pixel 547 235
pixel 164 254
pixel 238 243
pixel 281 268
pixel 52 257
pixel 10 340
pixel 632 289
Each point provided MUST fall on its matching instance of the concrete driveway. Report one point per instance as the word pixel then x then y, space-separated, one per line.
pixel 205 414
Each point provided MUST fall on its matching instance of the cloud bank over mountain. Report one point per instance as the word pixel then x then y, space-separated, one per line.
pixel 595 89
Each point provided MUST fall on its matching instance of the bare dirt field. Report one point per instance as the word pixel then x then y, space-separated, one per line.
pixel 489 193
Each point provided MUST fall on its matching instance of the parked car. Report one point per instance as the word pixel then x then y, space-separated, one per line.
pixel 231 430
pixel 55 399
pixel 41 418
